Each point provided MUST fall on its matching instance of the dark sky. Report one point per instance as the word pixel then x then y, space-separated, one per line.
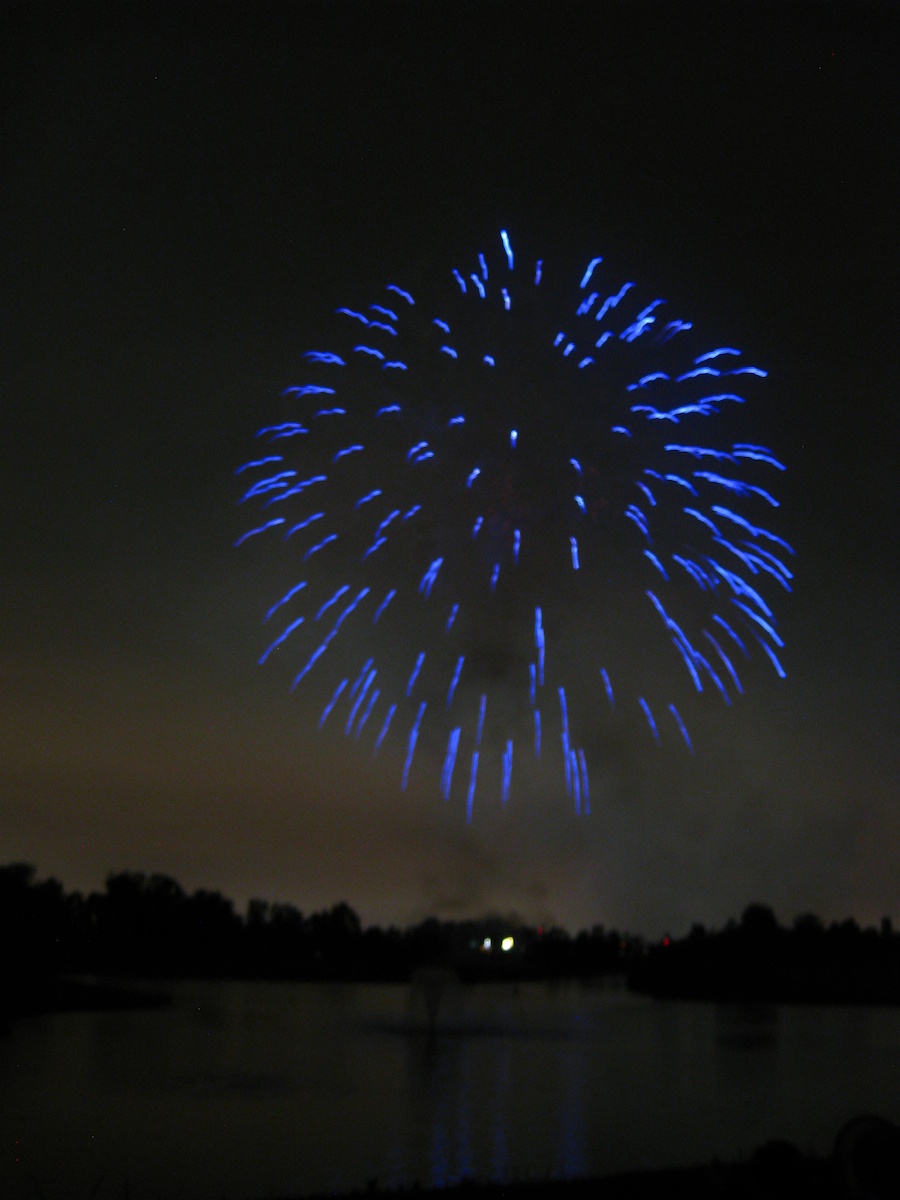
pixel 190 190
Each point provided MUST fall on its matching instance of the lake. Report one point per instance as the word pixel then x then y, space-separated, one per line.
pixel 252 1090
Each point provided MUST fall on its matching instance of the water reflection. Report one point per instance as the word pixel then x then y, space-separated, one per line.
pixel 747 1026
pixel 572 1115
pixel 432 991
pixel 240 1090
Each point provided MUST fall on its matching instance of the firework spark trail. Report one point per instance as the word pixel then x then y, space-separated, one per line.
pixel 448 506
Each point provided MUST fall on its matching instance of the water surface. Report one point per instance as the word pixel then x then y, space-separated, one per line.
pixel 252 1090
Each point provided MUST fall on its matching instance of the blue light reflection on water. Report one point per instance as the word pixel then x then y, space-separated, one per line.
pixel 242 1090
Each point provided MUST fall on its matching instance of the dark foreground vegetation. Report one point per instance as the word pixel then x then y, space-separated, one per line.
pixel 148 928
pixel 864 1165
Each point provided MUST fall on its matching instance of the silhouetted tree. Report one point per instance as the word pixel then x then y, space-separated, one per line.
pixel 758 922
pixel 34 922
pixel 148 926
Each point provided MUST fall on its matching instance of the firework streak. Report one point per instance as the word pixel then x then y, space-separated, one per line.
pixel 513 515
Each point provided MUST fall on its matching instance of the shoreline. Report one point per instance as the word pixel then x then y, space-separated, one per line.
pixel 773 1172
pixel 865 1162
pixel 26 998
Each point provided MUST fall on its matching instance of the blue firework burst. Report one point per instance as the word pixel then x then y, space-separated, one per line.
pixel 514 518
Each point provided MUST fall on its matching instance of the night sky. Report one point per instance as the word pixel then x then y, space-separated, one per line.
pixel 190 190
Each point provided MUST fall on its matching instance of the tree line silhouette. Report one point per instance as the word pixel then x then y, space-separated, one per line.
pixel 757 959
pixel 148 927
